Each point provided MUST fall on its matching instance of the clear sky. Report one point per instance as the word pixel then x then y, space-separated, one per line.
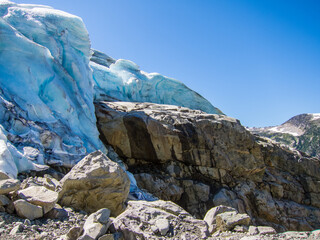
pixel 258 61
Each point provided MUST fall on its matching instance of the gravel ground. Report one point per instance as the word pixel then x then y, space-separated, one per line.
pixel 13 227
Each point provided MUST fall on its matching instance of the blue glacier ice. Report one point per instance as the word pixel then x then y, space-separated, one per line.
pixel 122 80
pixel 49 80
pixel 46 96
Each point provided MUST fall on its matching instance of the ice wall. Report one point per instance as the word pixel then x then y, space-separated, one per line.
pixel 46 96
pixel 122 80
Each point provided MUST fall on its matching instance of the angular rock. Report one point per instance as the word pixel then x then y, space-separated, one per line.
pixel 96 225
pixel 4 201
pixel 74 233
pixel 240 229
pixel 47 181
pixel 114 236
pixel 95 182
pixel 9 185
pixel 253 230
pixel 17 229
pixel 27 210
pixel 146 220
pixel 211 215
pixel 107 237
pixel 228 220
pixel 163 226
pixel 40 196
pixel 57 212
pixel 263 230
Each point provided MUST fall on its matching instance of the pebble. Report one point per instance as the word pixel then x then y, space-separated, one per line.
pixel 17 229
pixel 27 222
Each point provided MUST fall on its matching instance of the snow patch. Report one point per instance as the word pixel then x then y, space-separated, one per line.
pixel 315 116
pixel 287 129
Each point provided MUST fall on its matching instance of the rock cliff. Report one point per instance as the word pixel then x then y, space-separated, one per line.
pixel 200 160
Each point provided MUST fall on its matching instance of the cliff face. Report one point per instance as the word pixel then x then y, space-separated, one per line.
pixel 201 160
pixel 301 132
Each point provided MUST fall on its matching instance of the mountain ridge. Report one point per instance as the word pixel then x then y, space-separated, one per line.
pixel 300 132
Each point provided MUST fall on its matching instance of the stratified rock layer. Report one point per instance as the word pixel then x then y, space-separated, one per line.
pixel 207 160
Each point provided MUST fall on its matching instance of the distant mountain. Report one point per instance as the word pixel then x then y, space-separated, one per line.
pixel 301 132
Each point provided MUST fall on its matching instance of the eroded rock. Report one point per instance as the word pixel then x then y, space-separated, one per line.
pixel 208 160
pixel 95 182
pixel 150 220
pixel 96 225
pixel 27 210
pixel 9 185
pixel 40 196
pixel 211 216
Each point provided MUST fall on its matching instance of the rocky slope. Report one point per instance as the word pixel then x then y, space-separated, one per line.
pixel 301 132
pixel 29 210
pixel 201 160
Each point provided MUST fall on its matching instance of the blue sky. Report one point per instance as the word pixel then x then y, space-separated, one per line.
pixel 258 61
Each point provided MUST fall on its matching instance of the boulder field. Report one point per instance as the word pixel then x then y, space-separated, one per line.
pixel 42 207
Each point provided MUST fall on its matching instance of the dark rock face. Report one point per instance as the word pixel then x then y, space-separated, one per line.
pixel 203 160
pixel 140 143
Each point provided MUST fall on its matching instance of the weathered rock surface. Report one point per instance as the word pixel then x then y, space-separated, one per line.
pixel 47 181
pixel 95 182
pixel 39 195
pixel 228 220
pixel 150 220
pixel 207 160
pixel 9 185
pixel 210 217
pixel 4 201
pixel 27 210
pixel 96 225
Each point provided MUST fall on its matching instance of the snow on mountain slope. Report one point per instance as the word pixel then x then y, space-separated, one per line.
pixel 301 132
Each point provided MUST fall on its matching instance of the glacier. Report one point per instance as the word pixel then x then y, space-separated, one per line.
pixel 49 80
pixel 122 80
pixel 46 96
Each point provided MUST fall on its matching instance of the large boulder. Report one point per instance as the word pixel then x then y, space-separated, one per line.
pixel 207 160
pixel 158 220
pixel 95 182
